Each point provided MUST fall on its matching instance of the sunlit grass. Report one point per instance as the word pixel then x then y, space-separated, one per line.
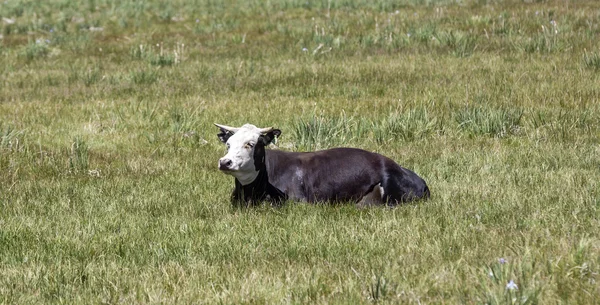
pixel 109 191
pixel 592 60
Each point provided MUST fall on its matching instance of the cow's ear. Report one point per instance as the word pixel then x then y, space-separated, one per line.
pixel 270 136
pixel 224 135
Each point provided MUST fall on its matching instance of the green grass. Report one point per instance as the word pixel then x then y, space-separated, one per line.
pixel 109 190
pixel 592 60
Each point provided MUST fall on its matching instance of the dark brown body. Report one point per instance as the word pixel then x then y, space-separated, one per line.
pixel 340 174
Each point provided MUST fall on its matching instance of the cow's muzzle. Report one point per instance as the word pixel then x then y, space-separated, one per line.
pixel 225 164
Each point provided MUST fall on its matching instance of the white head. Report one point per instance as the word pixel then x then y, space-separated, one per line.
pixel 245 156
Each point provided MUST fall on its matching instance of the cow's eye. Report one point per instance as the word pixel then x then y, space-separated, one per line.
pixel 249 145
pixel 228 146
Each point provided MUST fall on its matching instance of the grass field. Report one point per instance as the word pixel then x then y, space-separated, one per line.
pixel 109 188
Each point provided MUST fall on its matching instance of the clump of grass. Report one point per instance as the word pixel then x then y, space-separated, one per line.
pixel 162 60
pixel 482 120
pixel 140 52
pixel 379 289
pixel 78 156
pixel 591 60
pixel 504 25
pixel 161 57
pixel 424 34
pixel 35 49
pixel 541 43
pixel 410 125
pixel 165 15
pixel 318 132
pixel 9 138
pixel 91 76
pixel 143 77
pixel 546 41
pixel 460 44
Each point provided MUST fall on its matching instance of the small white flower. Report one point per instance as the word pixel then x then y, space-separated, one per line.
pixel 502 260
pixel 197 20
pixel 304 50
pixel 491 273
pixel 408 35
pixel 512 286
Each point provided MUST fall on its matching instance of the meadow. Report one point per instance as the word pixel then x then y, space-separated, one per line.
pixel 109 187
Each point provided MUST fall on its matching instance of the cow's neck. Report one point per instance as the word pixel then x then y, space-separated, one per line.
pixel 246 178
pixel 259 189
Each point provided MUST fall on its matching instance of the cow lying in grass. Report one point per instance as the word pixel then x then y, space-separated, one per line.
pixel 338 174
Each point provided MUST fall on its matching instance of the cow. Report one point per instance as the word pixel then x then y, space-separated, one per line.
pixel 332 175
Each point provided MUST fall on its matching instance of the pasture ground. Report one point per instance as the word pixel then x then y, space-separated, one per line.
pixel 110 193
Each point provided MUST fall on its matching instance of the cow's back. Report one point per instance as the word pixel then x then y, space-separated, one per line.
pixel 339 174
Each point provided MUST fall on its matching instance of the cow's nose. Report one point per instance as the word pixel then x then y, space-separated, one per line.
pixel 224 164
